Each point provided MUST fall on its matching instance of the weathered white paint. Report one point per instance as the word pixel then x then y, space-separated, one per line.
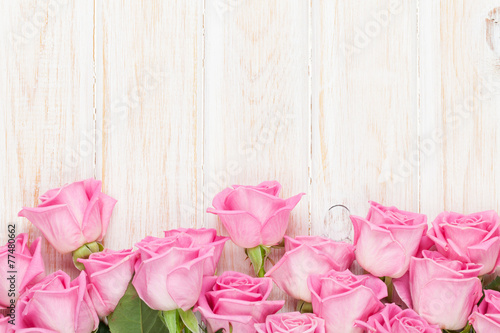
pixel 149 115
pixel 170 101
pixel 46 91
pixel 365 110
pixel 257 106
pixel 460 99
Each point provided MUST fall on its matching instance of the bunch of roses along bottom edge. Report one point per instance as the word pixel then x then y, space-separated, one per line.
pixel 415 279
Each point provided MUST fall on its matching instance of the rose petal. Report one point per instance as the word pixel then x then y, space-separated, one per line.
pixel 184 282
pixel 243 227
pixel 58 226
pixel 260 204
pixel 376 249
pixel 291 271
pixel 448 302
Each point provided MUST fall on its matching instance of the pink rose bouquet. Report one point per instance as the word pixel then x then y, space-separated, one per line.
pixel 440 290
pixel 342 298
pixel 294 322
pixel 486 316
pixel 235 302
pixel 437 273
pixel 471 238
pixel 109 273
pixel 56 303
pixel 29 268
pixel 387 239
pixel 206 239
pixel 72 215
pixel 306 255
pixel 394 319
pixel 169 272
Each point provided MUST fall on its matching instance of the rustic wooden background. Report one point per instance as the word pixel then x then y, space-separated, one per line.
pixel 168 102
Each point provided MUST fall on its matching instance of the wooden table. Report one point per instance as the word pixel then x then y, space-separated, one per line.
pixel 168 102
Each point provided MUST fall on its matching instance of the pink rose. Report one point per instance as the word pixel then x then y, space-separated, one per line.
pixel 293 322
pixel 236 300
pixel 72 215
pixel 28 265
pixel 109 273
pixel 486 316
pixel 254 215
pixel 468 238
pixel 206 239
pixel 59 304
pixel 341 298
pixel 387 239
pixel 441 290
pixel 169 272
pixel 306 255
pixel 394 319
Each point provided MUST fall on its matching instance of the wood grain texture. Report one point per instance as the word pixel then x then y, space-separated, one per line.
pixel 365 115
pixel 149 130
pixel 168 102
pixel 46 88
pixel 257 105
pixel 460 98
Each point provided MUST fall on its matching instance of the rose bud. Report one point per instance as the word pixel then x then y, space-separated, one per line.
pixel 440 290
pixel 306 255
pixel 206 239
pixel 73 215
pixel 109 273
pixel 236 301
pixel 473 238
pixel 387 239
pixel 255 217
pixel 169 272
pixel 57 303
pixel 342 298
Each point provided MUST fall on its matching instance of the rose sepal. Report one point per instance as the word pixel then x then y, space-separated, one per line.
pixel 84 252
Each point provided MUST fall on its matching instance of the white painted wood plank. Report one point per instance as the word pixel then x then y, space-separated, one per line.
pixel 46 88
pixel 365 116
pixel 257 105
pixel 149 115
pixel 460 85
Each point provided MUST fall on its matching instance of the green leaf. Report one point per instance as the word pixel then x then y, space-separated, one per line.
pixel 189 319
pixel 494 285
pixel 132 315
pixel 102 328
pixel 172 321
